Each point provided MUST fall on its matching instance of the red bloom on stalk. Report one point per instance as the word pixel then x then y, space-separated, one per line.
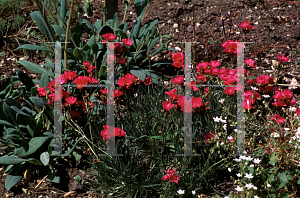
pixel 104 91
pixel 118 132
pixel 209 136
pixel 118 93
pixel 171 176
pixel 42 91
pixel 283 59
pixel 127 80
pixel 109 36
pixel 86 63
pixel 196 102
pixel 167 105
pixel 178 80
pixel 75 114
pixel 70 100
pixel 214 64
pixel 277 118
pixel 278 103
pixel 201 77
pixel 181 104
pixel 298 111
pixel 202 66
pixel 264 79
pixel 121 60
pixel 229 90
pixel 248 102
pixel 172 94
pixel 250 62
pixel 230 47
pixel 246 26
pixel 127 42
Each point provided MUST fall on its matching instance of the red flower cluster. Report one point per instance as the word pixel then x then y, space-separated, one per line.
pixel 171 176
pixel 127 80
pixel 209 136
pixel 250 97
pixel 127 42
pixel 283 98
pixel 246 26
pixel 178 59
pixel 230 47
pixel 118 132
pixel 109 37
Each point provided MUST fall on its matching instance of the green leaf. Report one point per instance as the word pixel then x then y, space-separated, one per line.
pixel 53 178
pixel 77 156
pixel 33 67
pixel 62 12
pixel 152 44
pixel 30 130
pixel 39 102
pixel 49 65
pixel 25 79
pixel 77 178
pixel 45 158
pixel 1 53
pixel 45 80
pixel 16 109
pixel 282 184
pixel 11 160
pixel 115 21
pixel 39 22
pixel 3 122
pixel 9 113
pixel 35 162
pixel 60 31
pixel 140 6
pixel 32 146
pixel 32 47
pixel 98 25
pixel 88 23
pixel 14 176
pixel 13 102
pixel 136 28
pixel 77 32
pixel 139 74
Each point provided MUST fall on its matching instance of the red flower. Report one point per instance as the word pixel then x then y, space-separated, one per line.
pixel 70 100
pixel 214 64
pixel 42 91
pixel 109 36
pixel 127 80
pixel 177 64
pixel 277 118
pixel 167 105
pixel 172 94
pixel 278 103
pixel 283 59
pixel 196 102
pixel 248 103
pixel 104 91
pixel 264 79
pixel 230 47
pixel 75 114
pixel 201 77
pixel 171 176
pixel 178 80
pixel 81 80
pixel 202 66
pixel 246 26
pixel 121 60
pixel 178 59
pixel 127 42
pixel 118 93
pixel 298 111
pixel 209 136
pixel 229 90
pixel 250 62
pixel 181 104
pixel 118 132
pixel 86 63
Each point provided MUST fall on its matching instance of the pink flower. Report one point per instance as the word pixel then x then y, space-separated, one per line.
pixel 196 102
pixel 70 100
pixel 250 62
pixel 118 132
pixel 283 59
pixel 127 80
pixel 181 104
pixel 167 105
pixel 104 91
pixel 127 42
pixel 109 36
pixel 172 94
pixel 171 176
pixel 86 63
pixel 277 118
pixel 42 91
pixel 264 79
pixel 214 64
pixel 178 80
pixel 298 111
pixel 246 26
pixel 117 93
pixel 229 90
pixel 209 136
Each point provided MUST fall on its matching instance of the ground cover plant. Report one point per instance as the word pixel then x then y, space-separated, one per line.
pixel 149 118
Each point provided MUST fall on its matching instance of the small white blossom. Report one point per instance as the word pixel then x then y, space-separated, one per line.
pixel 268 185
pixel 237 160
pixel 222 143
pixel 254 187
pixel 224 121
pixel 193 192
pixel 254 88
pixel 256 196
pixel 256 160
pixel 266 96
pixel 248 158
pixel 252 165
pixel 216 119
pixel 249 176
pixel 221 101
pixel 249 185
pixel 226 197
pixel 274 135
pixel 181 192
pixel 229 169
pixel 225 127
pixel 239 175
pixel 243 157
pixel 239 188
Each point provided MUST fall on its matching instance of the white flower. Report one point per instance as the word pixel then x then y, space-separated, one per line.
pixel 224 121
pixel 193 192
pixel 239 188
pixel 268 185
pixel 181 192
pixel 221 101
pixel 256 196
pixel 239 175
pixel 216 119
pixel 225 127
pixel 237 160
pixel 226 197
pixel 254 187
pixel 274 135
pixel 222 143
pixel 249 176
pixel 249 185
pixel 243 157
pixel 254 88
pixel 229 169
pixel 248 158
pixel 256 160
pixel 252 165
pixel 135 95
pixel 266 96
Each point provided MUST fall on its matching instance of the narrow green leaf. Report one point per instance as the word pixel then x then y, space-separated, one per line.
pixel 115 21
pixel 33 67
pixel 11 160
pixel 140 6
pixel 16 109
pixel 45 80
pixel 152 44
pixel 39 22
pixel 3 122
pixel 60 31
pixel 39 102
pixel 28 149
pixel 32 47
pixel 25 79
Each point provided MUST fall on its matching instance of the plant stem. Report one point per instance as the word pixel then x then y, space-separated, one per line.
pixel 67 34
